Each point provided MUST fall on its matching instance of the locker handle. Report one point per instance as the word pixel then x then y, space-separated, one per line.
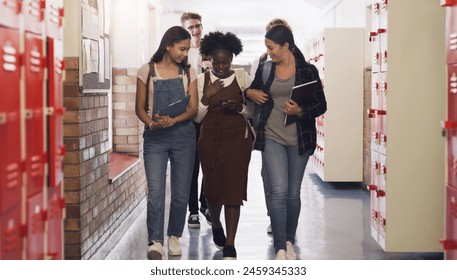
pixel 448 124
pixel 382 30
pixel 381 112
pixel 448 244
pixel 383 138
pixel 447 3
pixel 380 193
pixel 372 187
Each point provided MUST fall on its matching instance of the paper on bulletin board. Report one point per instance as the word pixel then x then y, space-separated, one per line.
pixel 87 61
pixel 107 59
pixel 90 24
pixel 101 61
pixel 94 55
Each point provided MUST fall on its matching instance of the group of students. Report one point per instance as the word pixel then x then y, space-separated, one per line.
pixel 216 131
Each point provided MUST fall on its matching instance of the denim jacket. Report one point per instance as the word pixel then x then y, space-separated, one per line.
pixel 306 126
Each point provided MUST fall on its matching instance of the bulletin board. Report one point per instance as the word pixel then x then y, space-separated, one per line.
pixel 95 63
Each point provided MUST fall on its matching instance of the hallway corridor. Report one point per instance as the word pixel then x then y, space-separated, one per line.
pixel 334 225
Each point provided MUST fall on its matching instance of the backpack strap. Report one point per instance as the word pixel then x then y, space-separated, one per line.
pixel 148 79
pixel 240 77
pixel 266 70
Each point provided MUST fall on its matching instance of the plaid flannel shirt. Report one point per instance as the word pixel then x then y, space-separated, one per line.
pixel 306 126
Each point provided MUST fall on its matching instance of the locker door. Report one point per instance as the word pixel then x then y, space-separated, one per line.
pixel 33 12
pixel 54 18
pixel 56 149
pixel 383 48
pixel 375 14
pixel 55 216
pixel 451 125
pixel 35 227
pixel 383 13
pixel 375 52
pixel 451 34
pixel 373 188
pixel 450 242
pixel 10 234
pixel 381 194
pixel 9 13
pixel 10 121
pixel 34 103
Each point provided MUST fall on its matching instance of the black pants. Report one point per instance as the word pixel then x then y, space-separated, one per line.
pixel 193 196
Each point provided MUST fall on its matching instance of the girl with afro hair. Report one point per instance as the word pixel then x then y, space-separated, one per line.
pixel 226 140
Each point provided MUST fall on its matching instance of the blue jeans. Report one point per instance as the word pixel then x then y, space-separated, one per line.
pixel 176 143
pixel 285 169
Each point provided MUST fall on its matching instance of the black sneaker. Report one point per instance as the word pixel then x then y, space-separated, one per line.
pixel 193 221
pixel 229 253
pixel 205 213
pixel 219 237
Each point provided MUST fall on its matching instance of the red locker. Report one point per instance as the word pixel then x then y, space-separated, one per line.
pixel 9 13
pixel 54 18
pixel 34 103
pixel 449 244
pixel 10 128
pixel 382 34
pixel 33 13
pixel 451 34
pixel 55 216
pixel 376 52
pixel 10 234
pixel 373 187
pixel 35 227
pixel 56 149
pixel 451 125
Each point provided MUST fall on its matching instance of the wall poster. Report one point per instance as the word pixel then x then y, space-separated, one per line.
pixel 95 70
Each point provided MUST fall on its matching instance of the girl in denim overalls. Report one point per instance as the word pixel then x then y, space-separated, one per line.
pixel 169 78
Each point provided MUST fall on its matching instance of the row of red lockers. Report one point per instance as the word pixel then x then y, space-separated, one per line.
pixel 378 114
pixel 31 117
pixel 450 128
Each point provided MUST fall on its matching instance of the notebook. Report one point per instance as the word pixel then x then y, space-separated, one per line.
pixel 302 94
pixel 175 108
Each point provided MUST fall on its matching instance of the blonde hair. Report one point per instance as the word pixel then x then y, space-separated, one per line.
pixel 277 21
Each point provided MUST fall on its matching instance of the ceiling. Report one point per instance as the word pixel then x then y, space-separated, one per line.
pixel 247 18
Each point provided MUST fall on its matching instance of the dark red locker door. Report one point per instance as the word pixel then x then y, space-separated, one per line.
pixel 33 13
pixel 56 150
pixel 449 244
pixel 34 104
pixel 451 34
pixel 54 18
pixel 55 215
pixel 10 123
pixel 10 234
pixel 451 125
pixel 9 13
pixel 35 227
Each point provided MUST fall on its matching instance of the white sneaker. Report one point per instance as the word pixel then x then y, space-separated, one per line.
pixel 155 251
pixel 290 252
pixel 281 254
pixel 174 249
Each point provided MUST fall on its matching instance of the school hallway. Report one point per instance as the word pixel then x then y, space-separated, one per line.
pixel 334 225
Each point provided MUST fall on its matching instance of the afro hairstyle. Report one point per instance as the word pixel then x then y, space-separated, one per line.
pixel 218 40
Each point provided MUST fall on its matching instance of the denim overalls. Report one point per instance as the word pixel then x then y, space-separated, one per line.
pixel 176 143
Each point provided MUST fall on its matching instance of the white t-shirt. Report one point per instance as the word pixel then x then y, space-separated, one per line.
pixel 195 59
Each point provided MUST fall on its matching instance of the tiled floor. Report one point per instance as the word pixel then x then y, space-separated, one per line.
pixel 334 225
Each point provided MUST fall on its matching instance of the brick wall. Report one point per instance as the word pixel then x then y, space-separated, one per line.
pixel 95 206
pixel 127 132
pixel 366 127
